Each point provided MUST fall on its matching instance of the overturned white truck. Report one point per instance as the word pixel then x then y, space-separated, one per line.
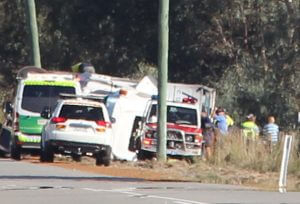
pixel 135 110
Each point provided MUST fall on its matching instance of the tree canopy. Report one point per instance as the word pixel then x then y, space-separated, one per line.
pixel 247 49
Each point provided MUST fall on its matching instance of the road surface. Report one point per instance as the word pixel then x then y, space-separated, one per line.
pixel 27 183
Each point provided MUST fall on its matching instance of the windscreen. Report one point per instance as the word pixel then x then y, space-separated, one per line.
pixel 81 112
pixel 178 115
pixel 36 97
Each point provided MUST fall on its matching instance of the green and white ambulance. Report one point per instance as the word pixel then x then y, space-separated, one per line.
pixel 36 89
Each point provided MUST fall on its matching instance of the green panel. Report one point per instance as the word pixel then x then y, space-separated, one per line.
pixel 30 124
pixel 50 83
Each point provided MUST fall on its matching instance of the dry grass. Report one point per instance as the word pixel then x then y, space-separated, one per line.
pixel 254 163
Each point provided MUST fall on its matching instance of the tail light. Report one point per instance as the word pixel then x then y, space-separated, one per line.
pixel 103 123
pixel 16 123
pixel 58 120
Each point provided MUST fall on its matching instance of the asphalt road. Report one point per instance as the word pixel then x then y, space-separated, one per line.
pixel 22 183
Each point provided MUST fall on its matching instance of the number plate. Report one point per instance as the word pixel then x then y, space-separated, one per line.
pixel 79 129
pixel 41 122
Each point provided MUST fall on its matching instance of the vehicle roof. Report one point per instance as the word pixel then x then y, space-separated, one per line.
pixel 52 76
pixel 180 104
pixel 79 101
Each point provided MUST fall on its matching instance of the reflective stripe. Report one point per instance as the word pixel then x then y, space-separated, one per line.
pixel 50 83
pixel 32 139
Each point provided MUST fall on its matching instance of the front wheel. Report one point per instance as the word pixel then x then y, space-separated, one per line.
pixel 143 155
pixel 15 151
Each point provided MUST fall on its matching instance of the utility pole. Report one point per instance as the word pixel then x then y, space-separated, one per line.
pixel 163 48
pixel 33 30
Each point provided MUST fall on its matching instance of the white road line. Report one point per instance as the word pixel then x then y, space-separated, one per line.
pixel 125 191
pixel 179 202
pixel 176 199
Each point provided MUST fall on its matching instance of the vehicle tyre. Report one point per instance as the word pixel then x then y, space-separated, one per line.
pixel 99 159
pixel 47 154
pixel 143 155
pixel 192 159
pixel 16 151
pixel 104 157
pixel 107 157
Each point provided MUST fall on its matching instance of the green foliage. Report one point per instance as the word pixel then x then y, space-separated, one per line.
pixel 248 50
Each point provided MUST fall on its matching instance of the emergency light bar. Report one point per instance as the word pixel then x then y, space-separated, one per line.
pixel 188 99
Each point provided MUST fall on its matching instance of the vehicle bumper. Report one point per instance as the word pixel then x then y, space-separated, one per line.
pixel 61 146
pixel 81 137
pixel 175 152
pixel 28 141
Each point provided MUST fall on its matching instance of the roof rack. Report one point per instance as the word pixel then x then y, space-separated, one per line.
pixel 95 97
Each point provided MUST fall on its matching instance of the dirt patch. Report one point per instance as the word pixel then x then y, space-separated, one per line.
pixel 179 170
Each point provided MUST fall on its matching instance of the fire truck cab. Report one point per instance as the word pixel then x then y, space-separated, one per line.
pixel 184 134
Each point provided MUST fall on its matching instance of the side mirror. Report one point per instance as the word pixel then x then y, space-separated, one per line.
pixel 46 112
pixel 112 119
pixel 7 107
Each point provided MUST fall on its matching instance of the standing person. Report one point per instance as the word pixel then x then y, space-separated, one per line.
pixel 220 120
pixel 208 135
pixel 82 67
pixel 271 131
pixel 84 72
pixel 204 119
pixel 209 139
pixel 250 129
pixel 229 119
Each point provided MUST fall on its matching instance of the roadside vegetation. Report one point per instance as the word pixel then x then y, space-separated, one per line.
pixel 233 162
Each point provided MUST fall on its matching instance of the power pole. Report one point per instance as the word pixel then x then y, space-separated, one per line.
pixel 33 30
pixel 163 48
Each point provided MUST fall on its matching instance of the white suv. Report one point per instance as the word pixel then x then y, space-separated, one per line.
pixel 77 127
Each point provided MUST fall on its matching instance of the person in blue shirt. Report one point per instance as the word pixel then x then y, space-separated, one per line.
pixel 271 131
pixel 220 120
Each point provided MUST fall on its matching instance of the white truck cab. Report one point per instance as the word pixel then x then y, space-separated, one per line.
pixel 184 134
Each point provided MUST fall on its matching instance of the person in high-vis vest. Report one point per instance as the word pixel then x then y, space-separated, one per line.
pixel 249 128
pixel 83 72
pixel 229 120
pixel 82 67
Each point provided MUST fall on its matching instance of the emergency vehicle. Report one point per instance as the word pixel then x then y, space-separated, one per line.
pixel 135 131
pixel 36 88
pixel 184 134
